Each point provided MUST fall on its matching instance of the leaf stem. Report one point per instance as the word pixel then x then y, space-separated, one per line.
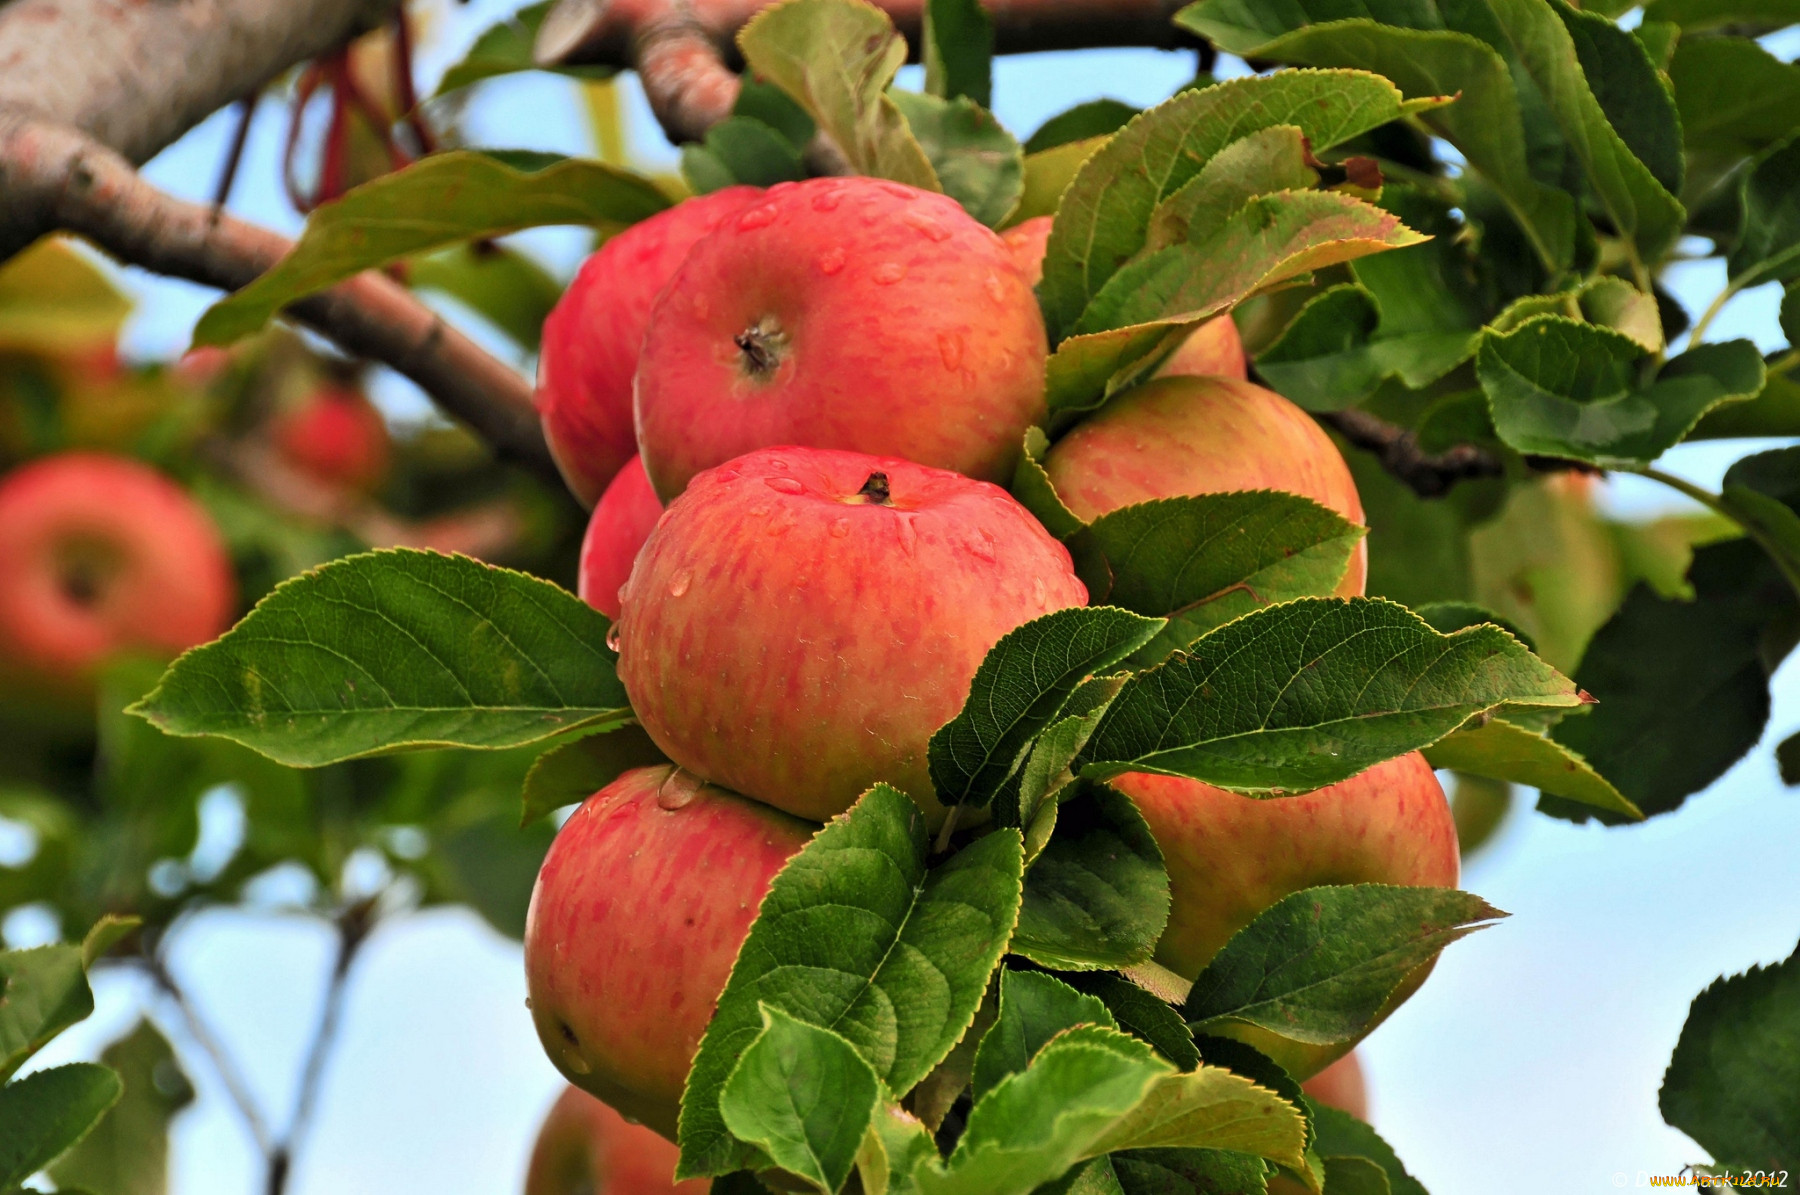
pixel 1698 332
pixel 1719 506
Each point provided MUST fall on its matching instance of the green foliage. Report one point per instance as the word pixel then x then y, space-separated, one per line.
pixel 1503 750
pixel 1341 1135
pixel 127 1152
pixel 1034 1008
pixel 47 1112
pixel 977 162
pixel 959 50
pixel 506 49
pixel 574 771
pixel 1096 895
pixel 503 286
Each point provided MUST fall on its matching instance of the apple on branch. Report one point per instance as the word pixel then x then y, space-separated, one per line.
pixel 616 532
pixel 586 1148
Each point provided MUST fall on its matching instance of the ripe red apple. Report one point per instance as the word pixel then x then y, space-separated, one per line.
pixel 620 524
pixel 1026 242
pixel 335 435
pixel 1230 856
pixel 802 620
pixel 1341 1086
pixel 592 337
pixel 1188 435
pixel 843 313
pixel 586 1148
pixel 637 916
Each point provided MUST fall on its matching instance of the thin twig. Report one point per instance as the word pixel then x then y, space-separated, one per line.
pixel 235 1086
pixel 235 155
pixel 1431 475
pixel 1698 332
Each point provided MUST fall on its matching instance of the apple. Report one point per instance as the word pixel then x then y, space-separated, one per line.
pixel 1202 435
pixel 586 1148
pixel 1026 241
pixel 620 524
pixel 1229 857
pixel 101 554
pixel 592 336
pixel 336 436
pixel 845 313
pixel 802 620
pixel 1341 1086
pixel 638 912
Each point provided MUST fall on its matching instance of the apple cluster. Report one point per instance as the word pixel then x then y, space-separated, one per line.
pixel 794 411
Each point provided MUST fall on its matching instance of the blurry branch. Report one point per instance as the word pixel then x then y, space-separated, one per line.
pixel 235 1088
pixel 1431 475
pixel 683 48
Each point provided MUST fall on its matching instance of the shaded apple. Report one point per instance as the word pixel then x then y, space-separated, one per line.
pixel 1342 1086
pixel 592 337
pixel 586 1148
pixel 636 918
pixel 100 554
pixel 335 435
pixel 802 619
pixel 1189 435
pixel 845 313
pixel 620 524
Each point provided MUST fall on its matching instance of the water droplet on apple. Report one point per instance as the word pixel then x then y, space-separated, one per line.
pixel 832 260
pixel 950 348
pixel 1039 591
pixel 575 1062
pixel 931 228
pixel 909 535
pixel 779 462
pixel 678 584
pixel 757 217
pixel 840 528
pixel 906 194
pixel 995 290
pixel 784 485
pixel 701 307
pixel 983 546
pixel 678 790
pixel 828 199
pixel 612 637
pixel 888 273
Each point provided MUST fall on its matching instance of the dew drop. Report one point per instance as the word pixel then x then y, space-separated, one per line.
pixel 575 1062
pixel 909 535
pixel 757 217
pixel 828 199
pixel 757 512
pixel 933 231
pixel 983 546
pixel 832 260
pixel 678 584
pixel 612 637
pixel 840 528
pixel 995 291
pixel 702 308
pixel 888 273
pixel 907 194
pixel 950 348
pixel 678 789
pixel 779 463
pixel 784 485
pixel 1039 591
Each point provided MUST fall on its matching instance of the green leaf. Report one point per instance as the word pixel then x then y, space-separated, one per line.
pixel 1204 560
pixel 1733 1084
pixel 774 107
pixel 1775 411
pixel 1091 118
pixel 1019 689
pixel 47 1112
pixel 804 1096
pixel 42 992
pixel 1355 1176
pixel 1735 98
pixel 1451 617
pixel 1298 696
pixel 1271 159
pixel 128 1151
pixel 506 48
pixel 1188 1172
pixel 1033 488
pixel 835 58
pixel 393 650
pixel 978 163
pixel 1561 388
pixel 1408 45
pixel 1318 965
pixel 1097 895
pixel 574 771
pixel 1246 1060
pixel 503 286
pixel 440 200
pixel 1769 241
pixel 1632 98
pixel 898 1143
pixel 1503 750
pixel 1104 218
pixel 1045 771
pixel 1034 1008
pixel 1142 1015
pixel 959 50
pixel 857 936
pixel 740 149
pixel 1339 1134
pixel 1048 174
pixel 1703 14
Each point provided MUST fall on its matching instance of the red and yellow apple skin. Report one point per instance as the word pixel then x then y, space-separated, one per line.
pixel 1229 857
pixel 620 524
pixel 592 337
pixel 637 916
pixel 1341 1086
pixel 336 436
pixel 1191 435
pixel 100 554
pixel 1026 242
pixel 802 620
pixel 846 313
pixel 586 1148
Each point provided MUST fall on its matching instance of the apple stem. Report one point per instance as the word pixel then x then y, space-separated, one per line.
pixel 943 838
pixel 876 490
pixel 762 344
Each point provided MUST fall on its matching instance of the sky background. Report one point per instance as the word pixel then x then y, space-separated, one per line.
pixel 1530 1060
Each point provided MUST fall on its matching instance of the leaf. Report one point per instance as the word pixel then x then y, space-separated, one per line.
pixel 1091 118
pixel 1566 389
pixel 1409 46
pixel 896 1146
pixel 1045 772
pixel 1703 14
pixel 1188 1172
pixel 1451 617
pixel 1034 1008
pixel 505 48
pixel 1104 218
pixel 857 936
pixel 804 1096
pixel 1733 1084
pixel 1033 488
pixel 959 50
pixel 104 934
pixel 1318 965
pixel 574 771
pixel 1503 750
pixel 47 1112
pixel 1769 240
pixel 1339 1134
pixel 42 992
pixel 1048 174
pixel 1204 560
pixel 1097 895
pixel 56 299
pixel 1631 96
pixel 127 1153
pixel 440 200
pixel 1020 687
pixel 1298 696
pixel 392 650
pixel 740 149
pixel 836 59
pixel 1736 99
pixel 1355 1176
pixel 1142 1015
pixel 1272 159
pixel 503 286
pixel 978 163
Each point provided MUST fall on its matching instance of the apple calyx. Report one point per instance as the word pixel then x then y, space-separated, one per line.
pixel 764 345
pixel 876 490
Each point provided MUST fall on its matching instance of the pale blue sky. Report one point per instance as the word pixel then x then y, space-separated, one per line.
pixel 1529 1061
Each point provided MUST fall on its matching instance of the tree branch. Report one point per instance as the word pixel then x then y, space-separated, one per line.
pixel 1431 475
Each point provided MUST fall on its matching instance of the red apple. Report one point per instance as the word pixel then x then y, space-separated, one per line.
pixel 586 1148
pixel 1230 857
pixel 621 523
pixel 802 619
pixel 1026 241
pixel 1186 435
pixel 100 554
pixel 1341 1086
pixel 336 436
pixel 843 313
pixel 592 337
pixel 636 919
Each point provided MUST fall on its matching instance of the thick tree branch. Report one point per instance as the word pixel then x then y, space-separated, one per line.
pixel 53 177
pixel 1431 475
